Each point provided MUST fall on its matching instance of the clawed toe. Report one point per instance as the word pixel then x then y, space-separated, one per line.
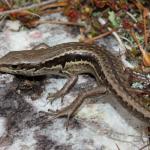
pixel 52 112
pixel 61 113
pixel 52 97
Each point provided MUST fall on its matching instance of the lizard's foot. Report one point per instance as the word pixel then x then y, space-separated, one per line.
pixel 70 110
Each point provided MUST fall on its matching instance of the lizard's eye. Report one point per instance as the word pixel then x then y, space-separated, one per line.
pixel 14 66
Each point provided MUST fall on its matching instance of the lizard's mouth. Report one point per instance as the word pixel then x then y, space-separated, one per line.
pixel 5 69
pixel 17 71
pixel 13 69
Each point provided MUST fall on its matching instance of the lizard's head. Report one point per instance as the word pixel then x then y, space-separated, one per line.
pixel 15 61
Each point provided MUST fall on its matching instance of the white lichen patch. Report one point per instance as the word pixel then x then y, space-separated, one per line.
pixel 12 25
pixel 103 113
pixel 25 141
pixel 5 78
pixel 42 103
pixel 2 126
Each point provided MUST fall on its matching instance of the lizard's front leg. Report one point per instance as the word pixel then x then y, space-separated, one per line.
pixel 64 90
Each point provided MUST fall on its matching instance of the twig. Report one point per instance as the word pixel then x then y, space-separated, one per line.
pixel 25 8
pixel 119 40
pixel 144 146
pixel 30 13
pixel 133 18
pixel 99 36
pixel 137 75
pixel 117 146
pixel 145 13
pixel 137 42
pixel 57 4
pixel 126 39
pixel 61 22
pixel 7 3
pixel 145 54
pixel 51 11
pixel 139 91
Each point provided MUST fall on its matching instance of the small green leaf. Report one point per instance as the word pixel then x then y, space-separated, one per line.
pixel 96 14
pixel 113 19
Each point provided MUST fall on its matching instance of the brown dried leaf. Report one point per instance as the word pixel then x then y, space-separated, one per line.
pixel 146 58
pixel 145 54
